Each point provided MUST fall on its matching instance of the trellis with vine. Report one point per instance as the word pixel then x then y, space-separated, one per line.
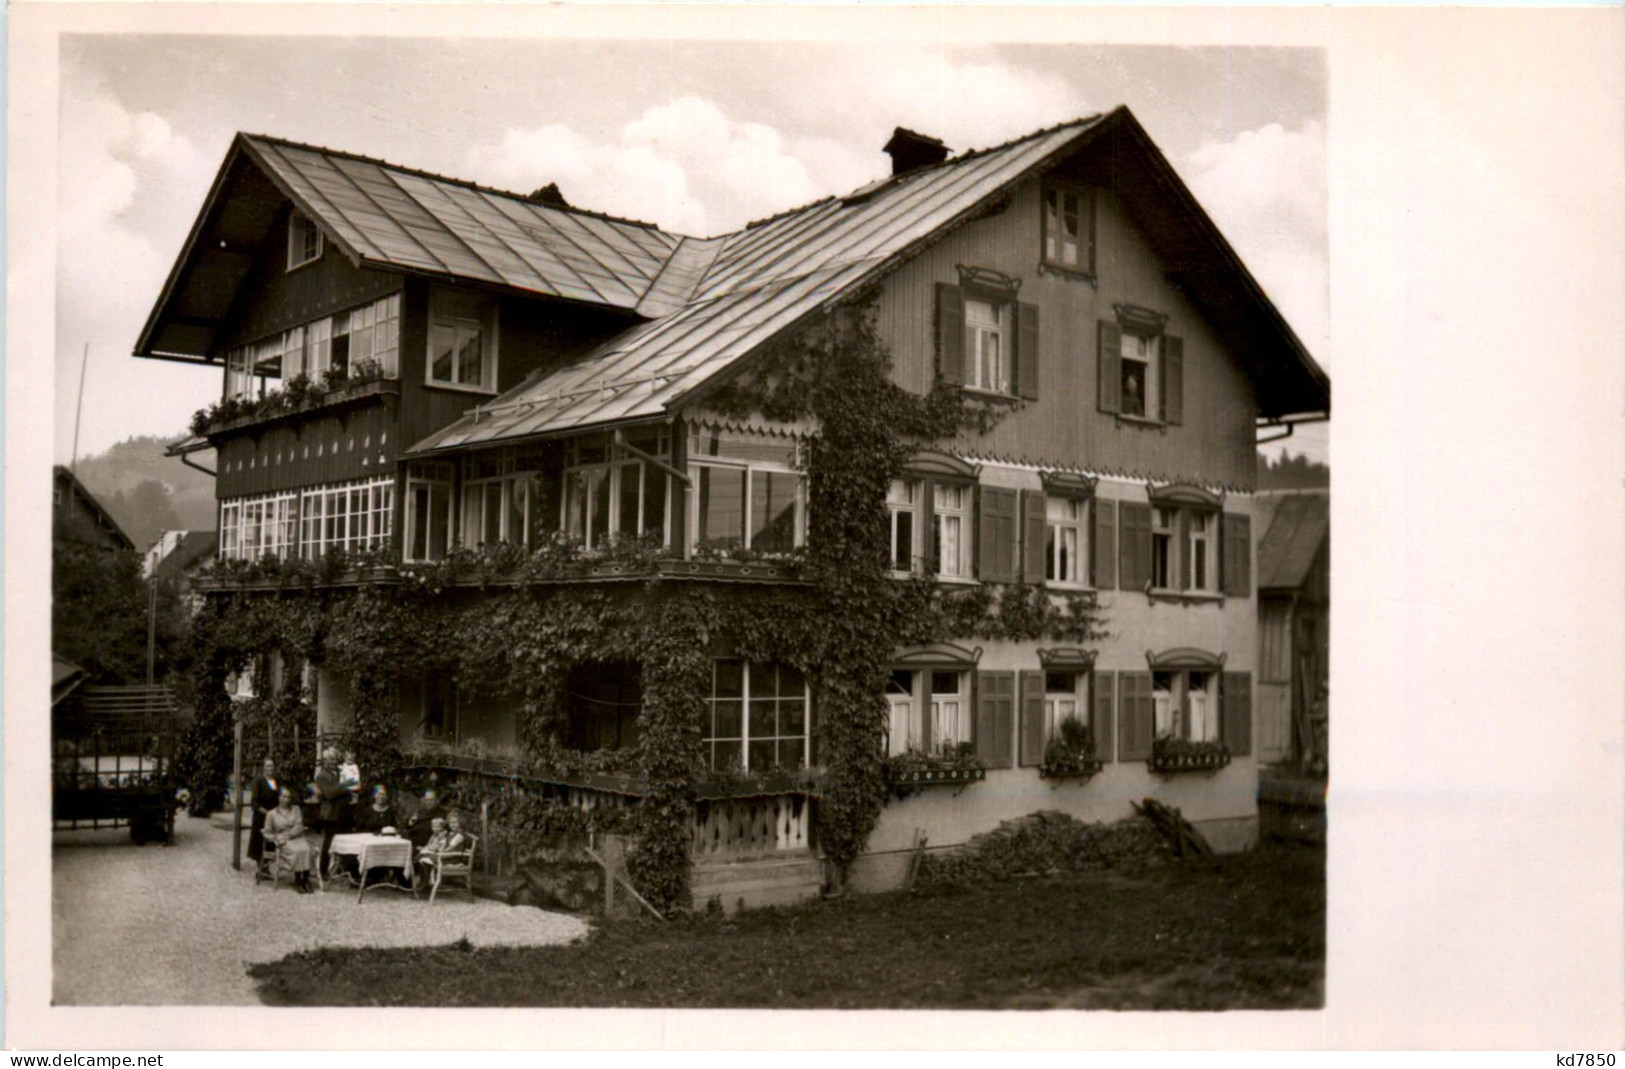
pixel 511 623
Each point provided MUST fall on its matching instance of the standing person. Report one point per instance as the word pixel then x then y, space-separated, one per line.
pixel 266 792
pixel 331 798
pixel 285 826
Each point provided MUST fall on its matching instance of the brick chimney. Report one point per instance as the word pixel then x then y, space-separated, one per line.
pixel 910 151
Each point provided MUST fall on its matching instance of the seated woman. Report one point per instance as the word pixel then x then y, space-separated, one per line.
pixel 378 814
pixel 373 818
pixel 445 837
pixel 285 826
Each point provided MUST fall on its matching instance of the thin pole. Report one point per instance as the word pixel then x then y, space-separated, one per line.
pixel 84 365
pixel 152 623
pixel 236 799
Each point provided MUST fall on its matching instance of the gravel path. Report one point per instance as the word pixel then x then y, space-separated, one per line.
pixel 177 925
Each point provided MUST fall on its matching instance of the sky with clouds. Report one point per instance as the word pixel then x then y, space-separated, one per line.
pixel 699 137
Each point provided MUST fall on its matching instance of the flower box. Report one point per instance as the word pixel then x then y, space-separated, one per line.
pixel 1081 769
pixel 935 777
pixel 1173 760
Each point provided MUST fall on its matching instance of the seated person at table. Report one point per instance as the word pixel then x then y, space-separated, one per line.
pixel 373 819
pixel 378 814
pixel 446 837
pixel 421 826
pixel 285 826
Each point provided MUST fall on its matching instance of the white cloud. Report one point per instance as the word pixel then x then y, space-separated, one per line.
pixel 695 168
pixel 1266 190
pixel 683 164
pixel 114 250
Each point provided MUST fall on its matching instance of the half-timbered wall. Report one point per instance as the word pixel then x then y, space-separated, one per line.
pixel 1213 444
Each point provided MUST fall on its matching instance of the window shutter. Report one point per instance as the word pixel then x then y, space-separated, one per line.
pixel 1105 718
pixel 1032 718
pixel 1182 547
pixel 1236 712
pixel 1134 544
pixel 1034 537
pixel 1173 379
pixel 996 562
pixel 1027 351
pixel 995 717
pixel 1111 367
pixel 950 334
pixel 1237 536
pixel 1134 717
pixel 1105 555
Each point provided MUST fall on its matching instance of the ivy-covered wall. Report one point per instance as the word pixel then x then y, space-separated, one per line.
pixel 514 623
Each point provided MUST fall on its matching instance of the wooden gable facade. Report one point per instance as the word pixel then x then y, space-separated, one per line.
pixel 1061 413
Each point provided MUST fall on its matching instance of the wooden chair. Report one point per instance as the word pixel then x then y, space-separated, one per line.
pixel 455 865
pixel 270 865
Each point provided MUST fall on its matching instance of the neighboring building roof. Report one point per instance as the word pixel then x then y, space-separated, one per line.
pixel 65 678
pixel 194 546
pixel 1295 526
pixel 66 479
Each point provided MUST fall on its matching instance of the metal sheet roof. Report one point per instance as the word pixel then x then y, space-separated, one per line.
pixel 396 217
pixel 760 280
pixel 1295 525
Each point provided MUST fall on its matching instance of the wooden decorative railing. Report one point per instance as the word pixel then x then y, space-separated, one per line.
pixel 752 826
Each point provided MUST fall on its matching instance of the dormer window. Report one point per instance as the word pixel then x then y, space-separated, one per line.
pixel 304 241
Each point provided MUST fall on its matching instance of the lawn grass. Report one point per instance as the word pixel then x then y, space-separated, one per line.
pixel 1246 931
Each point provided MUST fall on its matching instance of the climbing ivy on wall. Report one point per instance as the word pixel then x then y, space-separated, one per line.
pixel 507 622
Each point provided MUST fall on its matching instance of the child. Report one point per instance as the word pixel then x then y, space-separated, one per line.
pixel 350 774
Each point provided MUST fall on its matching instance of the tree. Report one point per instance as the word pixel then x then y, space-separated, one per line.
pixel 99 611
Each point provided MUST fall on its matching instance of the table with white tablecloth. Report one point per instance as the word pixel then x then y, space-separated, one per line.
pixel 375 852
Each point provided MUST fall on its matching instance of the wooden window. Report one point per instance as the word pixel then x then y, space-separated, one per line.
pixel 903 508
pixel 497 510
pixel 987 348
pixel 441 708
pixel 304 241
pixel 1238 554
pixel 1066 540
pixel 1141 368
pixel 1141 363
pixel 1069 228
pixel 265 525
pixel 951 530
pixel 997 535
pixel 996 718
pixel 617 499
pixel 1047 699
pixel 747 496
pixel 1105 701
pixel 1135 716
pixel 758 717
pixel 986 340
pixel 1105 545
pixel 1236 716
pixel 462 340
pixel 1185 705
pixel 428 519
